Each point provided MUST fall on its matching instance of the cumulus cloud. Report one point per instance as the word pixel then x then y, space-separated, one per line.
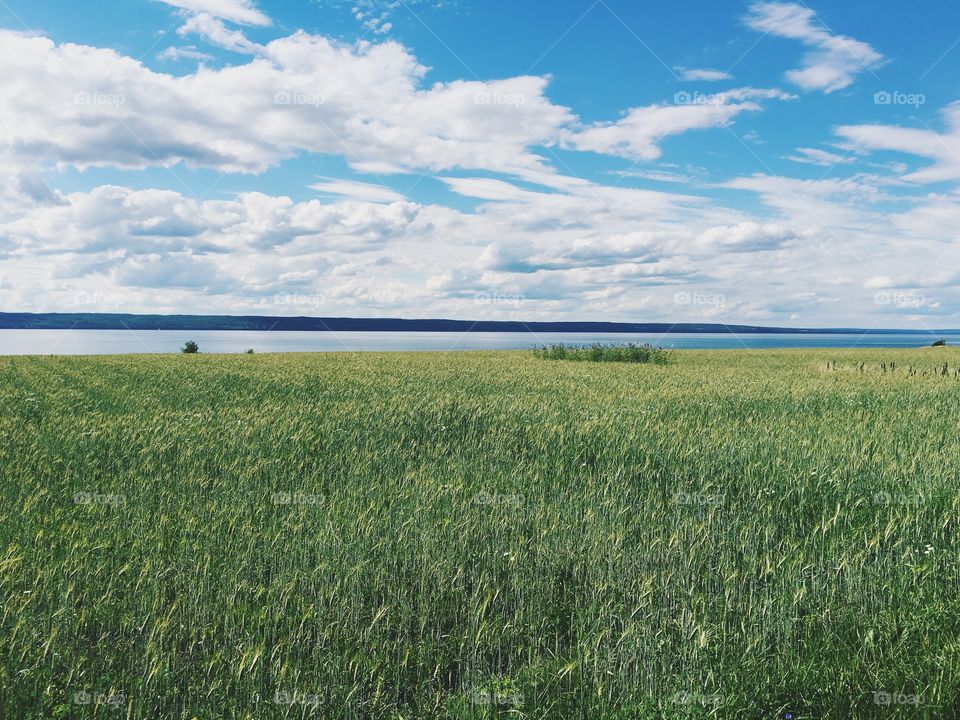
pixel 568 246
pixel 87 106
pixel 242 251
pixel 833 61
pixel 172 271
pixel 747 237
pixel 595 251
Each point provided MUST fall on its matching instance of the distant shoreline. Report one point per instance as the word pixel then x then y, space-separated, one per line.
pixel 263 323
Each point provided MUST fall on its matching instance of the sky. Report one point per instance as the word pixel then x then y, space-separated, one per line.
pixel 769 163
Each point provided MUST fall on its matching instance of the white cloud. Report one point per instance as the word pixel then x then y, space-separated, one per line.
pixel 596 251
pixel 169 272
pixel 878 281
pixel 358 190
pixel 815 156
pixel 747 237
pixel 657 175
pixel 638 134
pixel 238 11
pixel 188 52
pixel 833 61
pixel 827 202
pixel 488 189
pixel 943 148
pixel 572 248
pixel 375 14
pixel 85 106
pixel 703 74
pixel 930 280
pixel 216 33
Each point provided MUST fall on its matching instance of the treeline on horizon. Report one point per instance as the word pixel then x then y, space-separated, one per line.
pixel 112 321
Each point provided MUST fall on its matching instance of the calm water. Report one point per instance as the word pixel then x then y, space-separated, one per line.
pixel 108 342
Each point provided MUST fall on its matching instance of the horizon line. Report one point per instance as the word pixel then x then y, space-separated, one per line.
pixel 308 323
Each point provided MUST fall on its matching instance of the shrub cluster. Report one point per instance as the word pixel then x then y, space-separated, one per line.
pixel 598 352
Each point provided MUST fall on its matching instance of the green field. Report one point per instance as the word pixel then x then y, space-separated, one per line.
pixel 735 534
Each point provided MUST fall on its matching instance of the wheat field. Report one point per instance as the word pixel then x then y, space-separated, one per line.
pixel 732 534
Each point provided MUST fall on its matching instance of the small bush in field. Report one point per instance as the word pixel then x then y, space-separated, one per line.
pixel 598 352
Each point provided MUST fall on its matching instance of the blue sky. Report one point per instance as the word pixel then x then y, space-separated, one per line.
pixel 773 163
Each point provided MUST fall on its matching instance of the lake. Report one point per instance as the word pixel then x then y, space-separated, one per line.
pixel 108 342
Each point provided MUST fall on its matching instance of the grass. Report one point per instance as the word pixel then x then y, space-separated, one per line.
pixel 737 534
pixel 603 352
